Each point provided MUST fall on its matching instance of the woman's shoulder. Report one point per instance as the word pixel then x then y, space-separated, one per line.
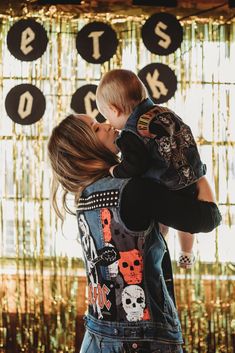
pixel 105 192
pixel 106 184
pixel 110 185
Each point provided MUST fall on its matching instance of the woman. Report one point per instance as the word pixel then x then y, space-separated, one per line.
pixel 131 304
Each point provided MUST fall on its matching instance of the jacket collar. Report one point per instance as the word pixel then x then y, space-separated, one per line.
pixel 142 108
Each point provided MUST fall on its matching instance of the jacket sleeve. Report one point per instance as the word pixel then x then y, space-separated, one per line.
pixel 135 158
pixel 144 200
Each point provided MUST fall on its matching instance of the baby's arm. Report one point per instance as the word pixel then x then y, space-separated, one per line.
pixel 135 157
pixel 205 192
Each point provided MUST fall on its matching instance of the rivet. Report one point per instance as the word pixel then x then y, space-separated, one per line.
pixel 115 331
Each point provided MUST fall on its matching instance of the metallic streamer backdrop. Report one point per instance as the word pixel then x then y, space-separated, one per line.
pixel 39 264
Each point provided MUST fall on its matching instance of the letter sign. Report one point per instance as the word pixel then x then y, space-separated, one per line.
pixel 83 101
pixel 25 104
pixel 96 42
pixel 27 40
pixel 160 81
pixel 162 33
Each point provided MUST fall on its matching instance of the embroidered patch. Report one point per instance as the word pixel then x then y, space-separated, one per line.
pixel 145 120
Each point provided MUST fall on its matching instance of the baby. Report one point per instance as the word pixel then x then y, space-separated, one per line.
pixel 154 143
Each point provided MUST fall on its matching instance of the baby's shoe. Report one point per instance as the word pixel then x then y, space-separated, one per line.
pixel 186 259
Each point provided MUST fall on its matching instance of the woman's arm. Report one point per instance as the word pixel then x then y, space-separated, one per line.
pixel 144 200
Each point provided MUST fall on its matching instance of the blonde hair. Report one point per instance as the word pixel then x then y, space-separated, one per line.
pixel 77 158
pixel 122 89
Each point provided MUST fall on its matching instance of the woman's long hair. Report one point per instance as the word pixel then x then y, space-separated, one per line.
pixel 77 159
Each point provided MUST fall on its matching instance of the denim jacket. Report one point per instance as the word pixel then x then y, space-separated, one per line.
pixel 170 143
pixel 130 284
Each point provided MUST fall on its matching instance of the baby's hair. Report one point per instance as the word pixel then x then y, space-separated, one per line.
pixel 122 89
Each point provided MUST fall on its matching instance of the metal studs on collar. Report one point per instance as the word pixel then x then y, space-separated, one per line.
pixel 99 200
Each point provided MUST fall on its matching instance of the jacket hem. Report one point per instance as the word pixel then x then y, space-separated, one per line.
pixel 143 330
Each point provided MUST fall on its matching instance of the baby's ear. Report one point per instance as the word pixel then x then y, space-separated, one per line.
pixel 115 110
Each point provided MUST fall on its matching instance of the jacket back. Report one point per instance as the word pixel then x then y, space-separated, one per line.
pixel 130 285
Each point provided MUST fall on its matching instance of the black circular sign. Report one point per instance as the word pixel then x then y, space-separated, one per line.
pixel 96 42
pixel 25 104
pixel 160 81
pixel 84 102
pixel 27 40
pixel 162 34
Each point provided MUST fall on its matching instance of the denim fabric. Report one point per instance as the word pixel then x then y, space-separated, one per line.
pixel 94 344
pixel 129 274
pixel 141 330
pixel 170 143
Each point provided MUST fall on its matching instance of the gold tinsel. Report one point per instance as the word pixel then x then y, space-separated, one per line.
pixel 41 295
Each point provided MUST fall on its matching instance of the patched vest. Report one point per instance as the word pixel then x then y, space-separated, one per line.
pixel 170 143
pixel 129 275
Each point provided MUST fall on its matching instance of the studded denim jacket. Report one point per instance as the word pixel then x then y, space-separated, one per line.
pixel 130 285
pixel 175 159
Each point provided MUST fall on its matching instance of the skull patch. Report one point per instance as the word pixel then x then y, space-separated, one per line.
pixel 133 302
pixel 106 223
pixel 131 266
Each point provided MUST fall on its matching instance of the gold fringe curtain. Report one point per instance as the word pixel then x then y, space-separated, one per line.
pixel 39 264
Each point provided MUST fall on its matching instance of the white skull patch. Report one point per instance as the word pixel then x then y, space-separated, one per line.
pixel 133 302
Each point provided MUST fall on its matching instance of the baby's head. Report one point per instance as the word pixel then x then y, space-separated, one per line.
pixel 117 95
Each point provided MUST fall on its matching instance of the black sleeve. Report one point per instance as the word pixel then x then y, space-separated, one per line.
pixel 135 157
pixel 144 200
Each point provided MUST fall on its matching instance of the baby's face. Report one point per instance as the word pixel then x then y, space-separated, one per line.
pixel 114 116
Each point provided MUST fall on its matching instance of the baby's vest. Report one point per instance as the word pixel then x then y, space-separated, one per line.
pixel 170 143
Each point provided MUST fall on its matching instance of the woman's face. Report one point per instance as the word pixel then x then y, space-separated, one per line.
pixel 105 132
